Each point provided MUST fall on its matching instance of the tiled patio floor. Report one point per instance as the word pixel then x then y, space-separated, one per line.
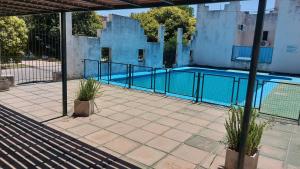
pixel 149 130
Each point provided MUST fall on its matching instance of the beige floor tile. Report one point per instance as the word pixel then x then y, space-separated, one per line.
pixel 190 154
pixel 146 155
pixel 134 111
pixel 140 136
pixel 120 117
pixel 121 128
pixel 191 128
pixel 122 145
pixel 164 144
pixel 137 122
pixel 198 121
pixel 150 116
pixel 67 123
pixel 101 137
pixel 212 134
pixel 179 116
pixel 106 112
pixel 177 135
pixel 172 162
pixel 103 122
pixel 119 108
pixel 269 163
pixel 84 129
pixel 156 128
pixel 168 121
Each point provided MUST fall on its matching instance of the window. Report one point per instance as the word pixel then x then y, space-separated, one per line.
pixel 191 56
pixel 241 27
pixel 141 55
pixel 105 54
pixel 265 35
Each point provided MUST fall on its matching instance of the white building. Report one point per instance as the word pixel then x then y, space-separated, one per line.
pixel 224 38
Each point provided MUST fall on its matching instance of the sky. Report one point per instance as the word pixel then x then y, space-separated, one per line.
pixel 250 5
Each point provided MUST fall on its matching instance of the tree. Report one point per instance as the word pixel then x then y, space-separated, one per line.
pixel 86 23
pixel 13 38
pixel 172 17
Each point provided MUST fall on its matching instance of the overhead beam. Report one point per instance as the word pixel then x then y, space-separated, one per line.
pixel 100 3
pixel 18 3
pixel 169 2
pixel 130 2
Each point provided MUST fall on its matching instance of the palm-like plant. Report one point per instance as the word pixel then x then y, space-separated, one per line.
pixel 88 89
pixel 233 127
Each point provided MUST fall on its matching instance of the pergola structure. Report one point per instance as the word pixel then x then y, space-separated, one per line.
pixel 29 7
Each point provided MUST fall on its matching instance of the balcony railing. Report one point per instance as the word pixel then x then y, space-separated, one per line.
pixel 243 53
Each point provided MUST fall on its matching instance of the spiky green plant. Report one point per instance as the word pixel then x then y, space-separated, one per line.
pixel 88 89
pixel 233 126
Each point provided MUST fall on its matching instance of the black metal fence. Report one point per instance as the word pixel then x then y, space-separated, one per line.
pixel 39 62
pixel 270 97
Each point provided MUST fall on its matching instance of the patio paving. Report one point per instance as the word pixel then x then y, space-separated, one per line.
pixel 150 130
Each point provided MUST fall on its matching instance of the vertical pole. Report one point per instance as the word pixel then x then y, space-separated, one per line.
pixel 84 69
pixel 63 60
pixel 154 80
pixel 98 70
pixel 198 88
pixel 251 81
pixel 129 78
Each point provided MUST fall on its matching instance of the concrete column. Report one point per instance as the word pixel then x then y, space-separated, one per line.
pixel 161 40
pixel 179 47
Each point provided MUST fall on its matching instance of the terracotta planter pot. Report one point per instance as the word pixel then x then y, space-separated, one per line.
pixel 4 84
pixel 232 159
pixel 56 76
pixel 83 108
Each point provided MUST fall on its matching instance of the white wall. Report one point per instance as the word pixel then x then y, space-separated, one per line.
pixel 286 56
pixel 123 35
pixel 216 33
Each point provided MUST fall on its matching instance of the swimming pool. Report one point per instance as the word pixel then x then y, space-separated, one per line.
pixel 215 86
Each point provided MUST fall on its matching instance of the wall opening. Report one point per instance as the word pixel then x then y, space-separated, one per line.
pixel 105 54
pixel 141 55
pixel 265 35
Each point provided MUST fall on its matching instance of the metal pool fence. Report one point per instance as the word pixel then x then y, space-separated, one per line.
pixel 270 97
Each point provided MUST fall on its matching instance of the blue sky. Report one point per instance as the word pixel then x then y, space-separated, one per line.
pixel 250 5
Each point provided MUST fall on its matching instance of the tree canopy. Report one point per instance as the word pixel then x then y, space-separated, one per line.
pixel 13 37
pixel 172 17
pixel 84 23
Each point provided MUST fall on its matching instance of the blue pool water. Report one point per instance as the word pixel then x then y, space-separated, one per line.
pixel 223 87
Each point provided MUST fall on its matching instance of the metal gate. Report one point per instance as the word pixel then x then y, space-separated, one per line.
pixel 38 62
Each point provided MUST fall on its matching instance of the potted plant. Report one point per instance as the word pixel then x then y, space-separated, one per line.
pixel 84 103
pixel 233 127
pixel 4 84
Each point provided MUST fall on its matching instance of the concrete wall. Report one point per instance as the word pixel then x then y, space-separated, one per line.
pixel 286 56
pixel 124 36
pixel 245 37
pixel 182 51
pixel 216 33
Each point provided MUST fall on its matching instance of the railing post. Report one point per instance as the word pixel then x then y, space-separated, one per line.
pixel 100 63
pixel 108 72
pixel 232 94
pixel 169 81
pixel 299 118
pixel 129 75
pixel 98 77
pixel 261 95
pixel 151 77
pixel 84 69
pixel 193 90
pixel 166 79
pixel 202 87
pixel 198 87
pixel 154 85
pixel 237 92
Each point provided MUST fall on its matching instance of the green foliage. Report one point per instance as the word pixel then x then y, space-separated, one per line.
pixel 13 38
pixel 233 127
pixel 170 52
pixel 86 23
pixel 88 89
pixel 172 17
